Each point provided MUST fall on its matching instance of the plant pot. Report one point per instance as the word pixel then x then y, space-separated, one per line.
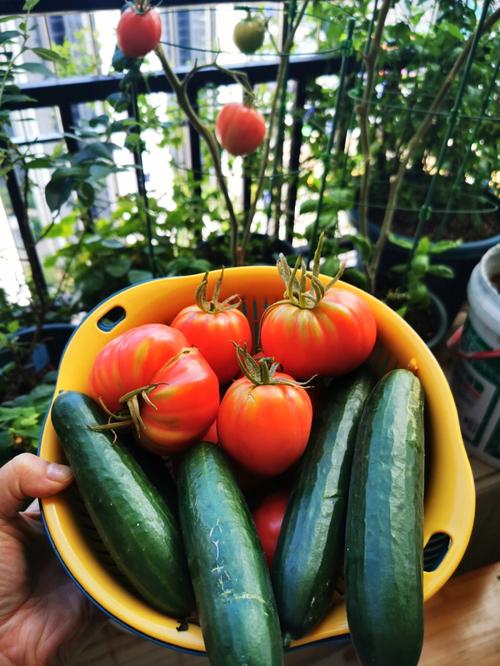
pixel 432 325
pixel 49 349
pixel 462 259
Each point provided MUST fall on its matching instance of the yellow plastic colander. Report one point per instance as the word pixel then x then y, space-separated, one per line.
pixel 449 489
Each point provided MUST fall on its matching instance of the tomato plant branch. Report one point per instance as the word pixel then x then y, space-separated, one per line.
pixel 397 179
pixel 371 59
pixel 210 140
pixel 280 80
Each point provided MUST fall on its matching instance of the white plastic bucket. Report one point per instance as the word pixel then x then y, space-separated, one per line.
pixel 476 375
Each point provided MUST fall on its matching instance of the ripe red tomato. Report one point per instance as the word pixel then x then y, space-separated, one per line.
pixel 318 331
pixel 130 361
pixel 213 326
pixel 268 517
pixel 265 426
pixel 240 129
pixel 211 434
pixel 138 32
pixel 185 403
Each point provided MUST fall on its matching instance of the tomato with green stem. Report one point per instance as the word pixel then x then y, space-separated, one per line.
pixel 268 518
pixel 149 378
pixel 212 326
pixel 317 330
pixel 249 33
pixel 264 419
pixel 182 405
pixel 240 129
pixel 130 361
pixel 139 29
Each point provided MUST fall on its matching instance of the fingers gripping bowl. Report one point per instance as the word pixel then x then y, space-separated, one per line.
pixel 449 488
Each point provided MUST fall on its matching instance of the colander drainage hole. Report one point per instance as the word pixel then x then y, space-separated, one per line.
pixel 435 550
pixel 109 320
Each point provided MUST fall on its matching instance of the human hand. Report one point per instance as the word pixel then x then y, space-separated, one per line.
pixel 40 607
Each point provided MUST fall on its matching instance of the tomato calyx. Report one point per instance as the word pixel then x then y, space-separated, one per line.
pixel 129 413
pixel 297 292
pixel 139 6
pixel 213 305
pixel 261 372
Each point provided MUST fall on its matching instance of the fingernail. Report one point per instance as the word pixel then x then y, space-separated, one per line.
pixel 57 472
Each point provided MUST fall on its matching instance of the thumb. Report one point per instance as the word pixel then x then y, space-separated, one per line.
pixel 26 476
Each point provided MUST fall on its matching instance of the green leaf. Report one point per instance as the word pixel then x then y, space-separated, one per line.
pixel 103 119
pixel 39 163
pixel 119 101
pixel 330 266
pixel 119 267
pixel 9 98
pixel 58 191
pixel 8 35
pixel 86 194
pixel 424 245
pixel 100 171
pixel 400 241
pixel 36 68
pixel 440 270
pixel 444 246
pixel 29 5
pixel 309 206
pixel 48 54
pixel 399 268
pixel 133 141
pixel 355 277
pixel 362 244
pixel 112 244
pixel 136 275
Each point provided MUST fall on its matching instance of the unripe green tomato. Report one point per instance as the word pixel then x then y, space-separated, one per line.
pixel 420 264
pixel 249 34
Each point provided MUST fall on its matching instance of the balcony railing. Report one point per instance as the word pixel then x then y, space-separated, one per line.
pixel 64 94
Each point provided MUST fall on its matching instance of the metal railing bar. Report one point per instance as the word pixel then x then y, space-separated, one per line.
pixel 8 7
pixel 75 90
pixel 295 146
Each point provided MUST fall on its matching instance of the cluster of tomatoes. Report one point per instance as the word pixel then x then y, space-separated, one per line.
pixel 167 380
pixel 240 128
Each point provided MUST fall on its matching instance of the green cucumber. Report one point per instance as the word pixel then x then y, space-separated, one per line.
pixel 384 534
pixel 231 581
pixel 135 524
pixel 311 542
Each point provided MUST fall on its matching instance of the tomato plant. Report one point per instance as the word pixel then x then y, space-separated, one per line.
pixel 317 331
pixel 130 361
pixel 139 30
pixel 268 517
pixel 249 33
pixel 240 129
pixel 183 404
pixel 264 419
pixel 212 326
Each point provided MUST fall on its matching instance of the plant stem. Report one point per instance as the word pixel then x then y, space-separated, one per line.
pixel 210 140
pixel 371 59
pixel 280 79
pixel 397 179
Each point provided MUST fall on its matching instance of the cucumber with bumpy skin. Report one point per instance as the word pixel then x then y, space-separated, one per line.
pixel 231 581
pixel 311 542
pixel 384 536
pixel 135 524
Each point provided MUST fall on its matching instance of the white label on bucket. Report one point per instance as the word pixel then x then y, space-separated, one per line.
pixel 473 395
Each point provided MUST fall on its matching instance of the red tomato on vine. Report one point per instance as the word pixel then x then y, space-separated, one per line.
pixel 139 29
pixel 264 419
pixel 317 330
pixel 268 517
pixel 212 326
pixel 240 129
